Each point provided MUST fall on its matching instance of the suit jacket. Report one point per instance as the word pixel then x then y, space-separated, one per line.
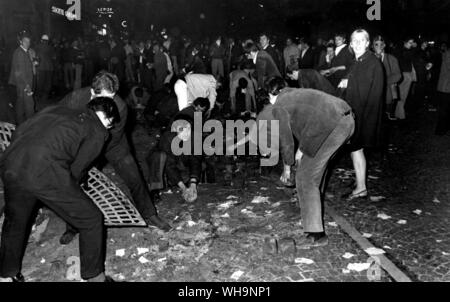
pixel 265 68
pixel 54 148
pixel 308 60
pixel 276 56
pixel 306 114
pixel 21 69
pixel 311 78
pixel 393 74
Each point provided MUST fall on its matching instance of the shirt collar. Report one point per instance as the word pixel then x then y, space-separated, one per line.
pixel 23 48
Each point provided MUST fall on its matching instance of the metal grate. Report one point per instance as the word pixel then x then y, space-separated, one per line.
pixel 6 130
pixel 114 204
pixel 116 207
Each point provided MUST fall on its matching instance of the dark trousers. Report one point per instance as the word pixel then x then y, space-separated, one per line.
pixel 156 162
pixel 44 83
pixel 310 175
pixel 68 202
pixel 443 123
pixel 24 106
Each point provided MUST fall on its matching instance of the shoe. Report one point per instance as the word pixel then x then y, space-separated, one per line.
pixel 109 279
pixel 67 237
pixel 18 278
pixel 156 221
pixel 362 194
pixel 308 241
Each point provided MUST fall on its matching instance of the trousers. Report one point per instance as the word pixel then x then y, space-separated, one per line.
pixel 69 203
pixel 310 175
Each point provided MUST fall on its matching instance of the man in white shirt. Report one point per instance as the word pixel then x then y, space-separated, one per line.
pixel 195 86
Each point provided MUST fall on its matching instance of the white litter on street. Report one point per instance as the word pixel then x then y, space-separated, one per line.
pixel 359 267
pixel 401 221
pixel 120 252
pixel 418 212
pixel 348 255
pixel 384 216
pixel 377 198
pixel 333 224
pixel 260 199
pixel 303 261
pixel 366 235
pixel 142 250
pixel 236 275
pixel 143 260
pixel 373 251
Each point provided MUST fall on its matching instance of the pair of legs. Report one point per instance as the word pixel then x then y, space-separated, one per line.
pixel 310 176
pixel 24 107
pixel 217 68
pixel 404 88
pixel 360 166
pixel 68 202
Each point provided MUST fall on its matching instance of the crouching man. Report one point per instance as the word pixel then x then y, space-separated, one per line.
pixel 49 156
pixel 169 156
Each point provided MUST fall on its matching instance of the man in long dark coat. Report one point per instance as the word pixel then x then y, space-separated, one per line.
pixel 48 157
pixel 265 65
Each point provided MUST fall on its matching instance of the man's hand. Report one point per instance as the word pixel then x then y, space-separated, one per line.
pixel 343 84
pixel 286 175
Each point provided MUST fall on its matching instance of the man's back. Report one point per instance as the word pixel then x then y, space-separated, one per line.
pixel 51 138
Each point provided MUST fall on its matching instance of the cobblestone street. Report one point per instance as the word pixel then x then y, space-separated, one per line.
pixel 248 233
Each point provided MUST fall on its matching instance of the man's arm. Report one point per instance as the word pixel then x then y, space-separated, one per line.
pixel 89 150
pixel 285 134
pixel 260 71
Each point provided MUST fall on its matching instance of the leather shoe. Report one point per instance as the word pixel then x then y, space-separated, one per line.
pixel 308 241
pixel 67 237
pixel 360 195
pixel 156 221
pixel 155 196
pixel 18 278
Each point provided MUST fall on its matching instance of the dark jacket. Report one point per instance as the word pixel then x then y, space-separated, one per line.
pixel 344 58
pixel 46 54
pixel 365 94
pixel 405 59
pixel 276 56
pixel 265 68
pixel 306 114
pixel 311 78
pixel 117 147
pixel 54 148
pixel 308 60
pixel 21 69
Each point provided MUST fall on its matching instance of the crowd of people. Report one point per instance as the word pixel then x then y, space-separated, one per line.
pixel 327 96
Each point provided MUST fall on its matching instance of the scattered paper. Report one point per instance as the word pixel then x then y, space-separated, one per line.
pixel 377 198
pixel 373 251
pixel 280 188
pixel 143 260
pixel 438 240
pixel 132 235
pixel 236 275
pixel 345 271
pixel 40 229
pixel 226 215
pixel 253 181
pixel 359 267
pixel 418 212
pixel 333 224
pixel 435 200
pixel 191 223
pixel 142 250
pixel 162 259
pixel 387 247
pixel 384 216
pixel 366 235
pixel 42 260
pixel 304 261
pixel 401 221
pixel 120 253
pixel 232 197
pixel 227 204
pixel 373 177
pixel 445 254
pixel 260 199
pixel 276 204
pixel 348 255
pixel 264 189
